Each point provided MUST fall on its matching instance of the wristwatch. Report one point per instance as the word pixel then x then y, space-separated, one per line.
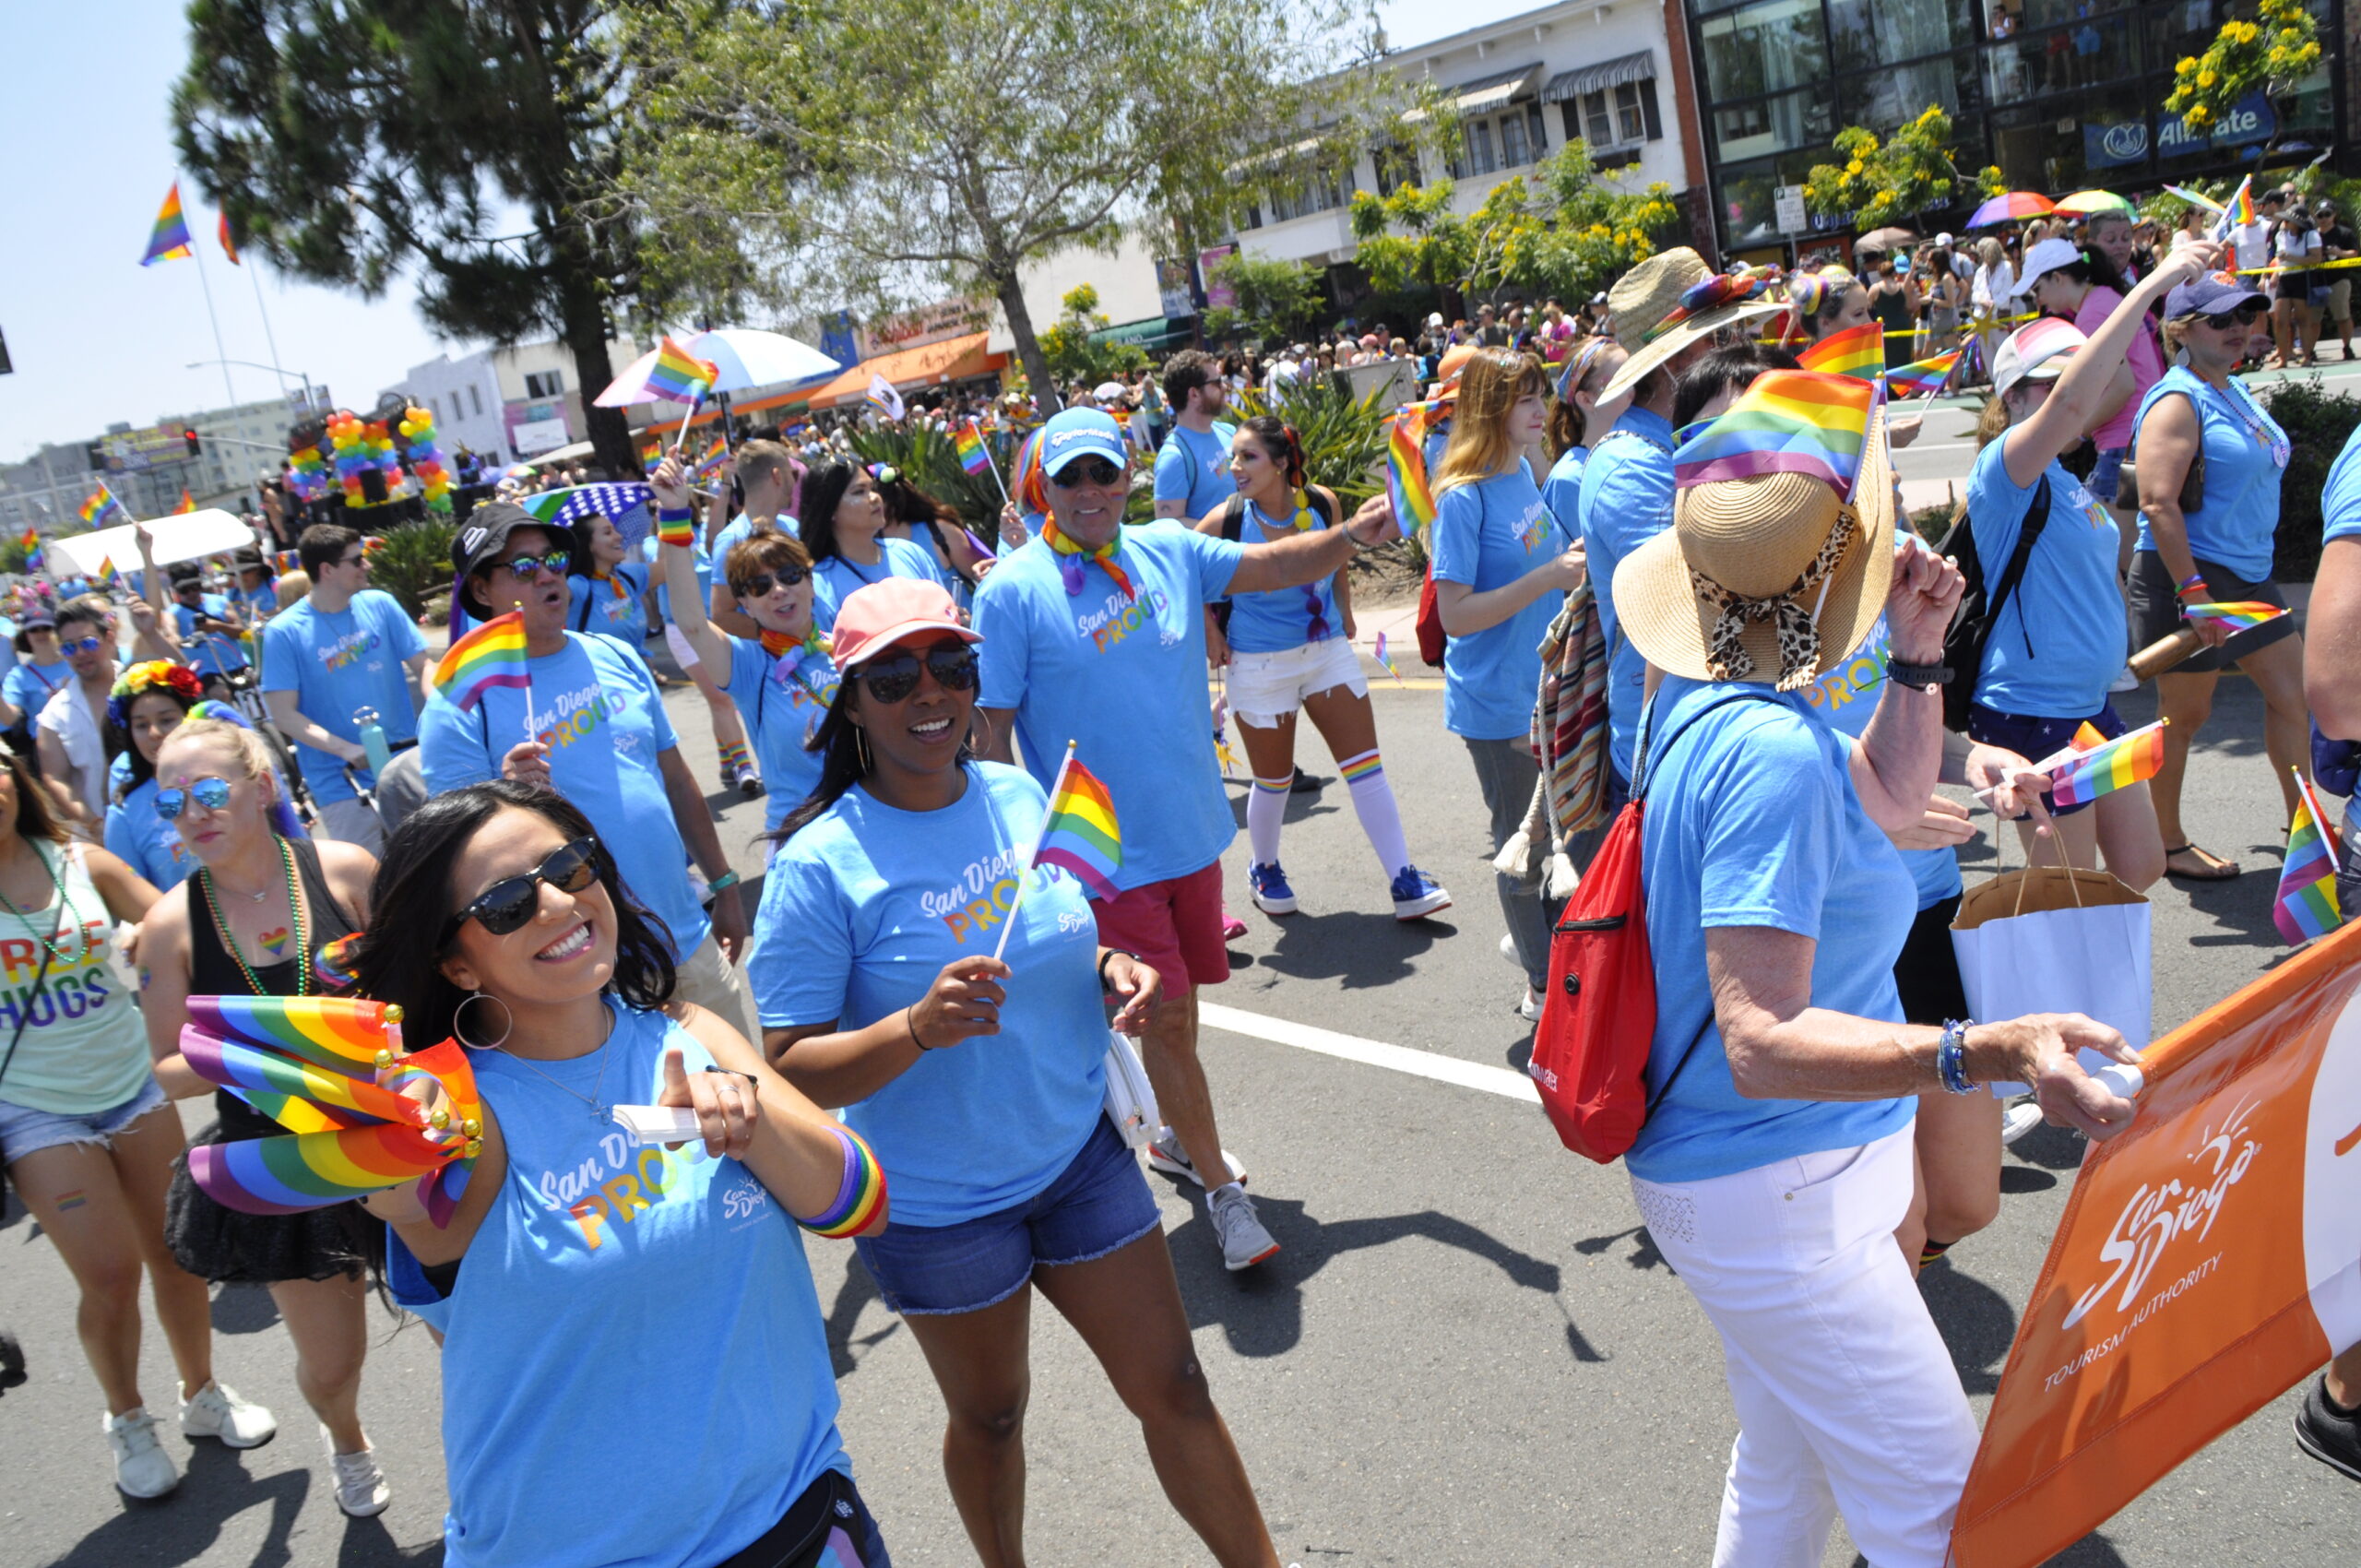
pixel 1918 677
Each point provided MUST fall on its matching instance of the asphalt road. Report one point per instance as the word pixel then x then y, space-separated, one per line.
pixel 1468 1353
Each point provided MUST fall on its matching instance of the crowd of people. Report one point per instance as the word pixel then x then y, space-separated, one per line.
pixel 536 872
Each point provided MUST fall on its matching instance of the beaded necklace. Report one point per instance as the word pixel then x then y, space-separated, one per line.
pixel 65 904
pixel 1314 607
pixel 295 914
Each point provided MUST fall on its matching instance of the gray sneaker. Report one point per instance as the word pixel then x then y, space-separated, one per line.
pixel 1165 1154
pixel 1245 1242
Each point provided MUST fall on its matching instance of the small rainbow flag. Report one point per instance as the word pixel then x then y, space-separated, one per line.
pixel 2306 907
pixel 1080 833
pixel 229 245
pixel 2237 210
pixel 1920 377
pixel 2087 738
pixel 492 655
pixel 1385 662
pixel 711 461
pixel 101 507
pixel 680 375
pixel 2101 771
pixel 188 504
pixel 107 576
pixel 169 239
pixel 1787 422
pixel 2239 615
pixel 30 539
pixel 969 445
pixel 1406 460
pixel 1857 352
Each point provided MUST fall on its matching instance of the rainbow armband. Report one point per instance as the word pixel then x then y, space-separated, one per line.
pixel 673 526
pixel 860 1196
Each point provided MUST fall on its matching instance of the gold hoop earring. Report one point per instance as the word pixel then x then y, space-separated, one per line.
pixel 460 1011
pixel 861 750
pixel 977 717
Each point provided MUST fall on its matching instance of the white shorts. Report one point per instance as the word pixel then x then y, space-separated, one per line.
pixel 1267 687
pixel 682 654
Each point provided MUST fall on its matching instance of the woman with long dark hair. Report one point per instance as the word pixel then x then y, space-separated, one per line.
pixel 607 590
pixel 843 518
pixel 147 704
pixel 935 527
pixel 874 989
pixel 581 1270
pixel 2080 284
pixel 252 920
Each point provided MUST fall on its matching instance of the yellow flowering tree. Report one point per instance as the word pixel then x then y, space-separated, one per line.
pixel 1874 183
pixel 2278 48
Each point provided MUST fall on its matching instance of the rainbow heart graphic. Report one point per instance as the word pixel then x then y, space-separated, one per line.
pixel 275 941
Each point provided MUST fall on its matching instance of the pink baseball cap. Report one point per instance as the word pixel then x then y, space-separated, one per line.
pixel 873 618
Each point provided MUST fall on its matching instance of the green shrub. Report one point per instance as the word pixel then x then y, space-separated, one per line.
pixel 2317 423
pixel 415 562
pixel 931 463
pixel 1343 436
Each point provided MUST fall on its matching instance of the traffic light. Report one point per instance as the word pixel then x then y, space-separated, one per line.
pixel 196 445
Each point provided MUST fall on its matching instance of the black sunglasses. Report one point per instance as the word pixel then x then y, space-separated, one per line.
pixel 1095 470
pixel 508 904
pixel 760 585
pixel 896 676
pixel 2246 315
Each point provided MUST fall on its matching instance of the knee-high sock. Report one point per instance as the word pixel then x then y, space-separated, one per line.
pixel 1373 801
pixel 1266 807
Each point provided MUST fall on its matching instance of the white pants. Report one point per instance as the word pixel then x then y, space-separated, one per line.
pixel 1846 1398
pixel 707 977
pixel 351 822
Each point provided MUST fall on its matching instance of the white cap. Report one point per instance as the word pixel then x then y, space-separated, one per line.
pixel 1942 239
pixel 2047 256
pixel 2036 352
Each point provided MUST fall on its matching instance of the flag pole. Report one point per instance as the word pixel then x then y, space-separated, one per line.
pixel 695 403
pixel 1008 922
pixel 993 461
pixel 218 348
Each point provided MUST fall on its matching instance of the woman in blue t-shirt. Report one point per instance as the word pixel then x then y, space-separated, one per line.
pixel 40 670
pixel 2056 643
pixel 607 589
pixel 1579 414
pixel 148 704
pixel 585 1271
pixel 1292 649
pixel 2217 552
pixel 978 1079
pixel 844 519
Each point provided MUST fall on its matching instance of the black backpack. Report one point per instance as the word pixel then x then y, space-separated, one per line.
pixel 1971 628
pixel 1233 528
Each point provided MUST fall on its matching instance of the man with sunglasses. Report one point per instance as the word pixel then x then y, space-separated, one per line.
pixel 767 473
pixel 345 649
pixel 599 735
pixel 1192 471
pixel 1095 633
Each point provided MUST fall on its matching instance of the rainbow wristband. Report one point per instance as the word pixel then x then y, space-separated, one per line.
pixel 673 526
pixel 2194 580
pixel 858 1197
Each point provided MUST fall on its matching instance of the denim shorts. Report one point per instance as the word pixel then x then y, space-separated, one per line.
pixel 25 1131
pixel 1099 1202
pixel 2033 738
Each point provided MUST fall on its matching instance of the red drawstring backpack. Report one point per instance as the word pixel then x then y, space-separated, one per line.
pixel 1598 1016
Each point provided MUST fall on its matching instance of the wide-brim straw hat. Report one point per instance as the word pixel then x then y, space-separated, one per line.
pixel 1643 297
pixel 1755 537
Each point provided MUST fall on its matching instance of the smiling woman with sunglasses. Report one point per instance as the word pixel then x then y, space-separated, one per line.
pixel 581 1271
pixel 252 921
pixel 980 1082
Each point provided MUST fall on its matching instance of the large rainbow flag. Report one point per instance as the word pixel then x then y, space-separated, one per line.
pixel 168 241
pixel 2306 904
pixel 1080 833
pixel 681 375
pixel 1787 422
pixel 2124 761
pixel 2239 615
pixel 492 655
pixel 1857 352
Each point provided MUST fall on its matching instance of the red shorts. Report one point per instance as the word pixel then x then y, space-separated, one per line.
pixel 1174 926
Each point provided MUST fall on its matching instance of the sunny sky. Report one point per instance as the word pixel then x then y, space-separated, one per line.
pixel 96 338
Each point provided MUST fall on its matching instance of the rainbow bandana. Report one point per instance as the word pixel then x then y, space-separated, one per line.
pixel 1072 556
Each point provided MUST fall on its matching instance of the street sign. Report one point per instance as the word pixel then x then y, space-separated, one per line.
pixel 1787 205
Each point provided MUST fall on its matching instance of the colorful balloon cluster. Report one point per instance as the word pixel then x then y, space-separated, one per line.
pixel 309 476
pixel 358 447
pixel 418 429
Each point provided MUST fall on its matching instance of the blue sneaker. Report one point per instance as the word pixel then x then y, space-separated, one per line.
pixel 1272 894
pixel 1416 895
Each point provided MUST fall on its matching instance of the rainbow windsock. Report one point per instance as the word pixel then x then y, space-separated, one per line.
pixel 1406 459
pixel 1385 662
pixel 168 241
pixel 969 445
pixel 2101 771
pixel 2239 615
pixel 1855 351
pixel 1080 833
pixel 1920 377
pixel 1787 422
pixel 492 655
pixel 2306 906
pixel 681 375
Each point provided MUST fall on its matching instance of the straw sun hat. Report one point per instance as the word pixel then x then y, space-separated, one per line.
pixel 1643 298
pixel 1771 577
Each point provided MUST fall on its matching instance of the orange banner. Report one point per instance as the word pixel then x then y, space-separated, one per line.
pixel 2209 1260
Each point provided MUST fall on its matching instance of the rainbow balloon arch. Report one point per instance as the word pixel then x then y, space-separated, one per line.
pixel 352 449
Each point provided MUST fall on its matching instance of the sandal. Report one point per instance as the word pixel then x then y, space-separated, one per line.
pixel 2219 870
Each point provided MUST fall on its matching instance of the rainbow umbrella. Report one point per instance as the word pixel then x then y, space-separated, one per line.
pixel 2089 204
pixel 2009 206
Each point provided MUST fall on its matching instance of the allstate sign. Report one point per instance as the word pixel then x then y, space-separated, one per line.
pixel 2108 147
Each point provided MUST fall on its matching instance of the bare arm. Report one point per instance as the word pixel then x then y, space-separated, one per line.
pixel 128 895
pixel 421 674
pixel 1894 765
pixel 1465 612
pixel 695 823
pixel 2332 642
pixel 793 1150
pixel 164 998
pixel 295 727
pixel 1003 734
pixel 1307 557
pixel 841 1067
pixel 688 607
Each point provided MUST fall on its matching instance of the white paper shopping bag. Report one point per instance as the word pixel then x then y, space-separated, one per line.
pixel 1130 1101
pixel 2046 940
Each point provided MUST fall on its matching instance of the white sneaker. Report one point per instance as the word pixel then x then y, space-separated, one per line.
pixel 142 1468
pixel 1165 1154
pixel 218 1411
pixel 2018 1120
pixel 1508 951
pixel 1245 1242
pixel 1530 1008
pixel 360 1489
pixel 2125 681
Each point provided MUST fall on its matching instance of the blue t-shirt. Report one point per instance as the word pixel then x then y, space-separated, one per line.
pixel 1752 821
pixel 209 653
pixel 2341 498
pixel 336 665
pixel 698 555
pixel 1194 470
pixel 145 842
pixel 2246 458
pixel 1626 500
pixel 780 716
pixel 595 707
pixel 1125 679
pixel 603 1272
pixel 860 911
pixel 1561 492
pixel 1280 619
pixel 835 578
pixel 255 605
pixel 29 686
pixel 593 606
pixel 1846 699
pixel 1488 534
pixel 2058 641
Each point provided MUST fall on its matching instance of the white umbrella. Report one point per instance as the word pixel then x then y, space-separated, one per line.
pixel 744 358
pixel 185 535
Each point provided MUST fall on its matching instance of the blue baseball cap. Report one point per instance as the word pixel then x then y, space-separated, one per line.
pixel 1078 432
pixel 2210 295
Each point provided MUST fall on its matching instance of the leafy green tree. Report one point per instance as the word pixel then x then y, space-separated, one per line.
pixel 884 152
pixel 1276 299
pixel 2275 50
pixel 1875 183
pixel 1074 354
pixel 348 140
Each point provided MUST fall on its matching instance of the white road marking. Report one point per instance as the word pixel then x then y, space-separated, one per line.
pixel 1372 1052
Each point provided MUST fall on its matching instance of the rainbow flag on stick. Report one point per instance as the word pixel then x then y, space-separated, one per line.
pixel 707 465
pixel 492 655
pixel 2237 210
pixel 1385 662
pixel 2121 763
pixel 974 458
pixel 1079 834
pixel 1787 422
pixel 168 241
pixel 96 511
pixel 1922 377
pixel 188 504
pixel 1857 352
pixel 109 578
pixel 2240 615
pixel 2306 906
pixel 681 375
pixel 1405 461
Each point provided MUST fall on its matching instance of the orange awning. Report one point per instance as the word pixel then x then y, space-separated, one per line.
pixel 954 359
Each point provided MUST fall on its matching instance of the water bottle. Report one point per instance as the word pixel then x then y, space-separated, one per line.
pixel 372 740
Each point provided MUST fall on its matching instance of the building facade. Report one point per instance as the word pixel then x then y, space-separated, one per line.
pixel 148 468
pixel 510 403
pixel 463 393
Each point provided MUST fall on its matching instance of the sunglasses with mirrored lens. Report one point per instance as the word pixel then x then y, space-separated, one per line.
pixel 2246 315
pixel 209 792
pixel 1096 472
pixel 760 585
pixel 896 676
pixel 81 645
pixel 509 903
pixel 531 565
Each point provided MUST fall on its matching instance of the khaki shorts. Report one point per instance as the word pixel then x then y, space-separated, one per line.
pixel 2340 300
